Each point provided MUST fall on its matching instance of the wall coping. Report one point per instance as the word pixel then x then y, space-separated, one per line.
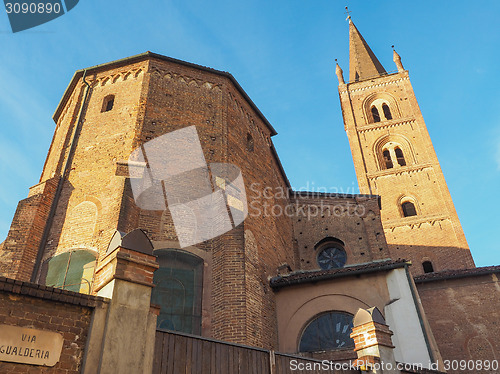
pixel 456 274
pixel 14 286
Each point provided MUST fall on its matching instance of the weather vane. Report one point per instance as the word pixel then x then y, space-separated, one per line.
pixel 347 12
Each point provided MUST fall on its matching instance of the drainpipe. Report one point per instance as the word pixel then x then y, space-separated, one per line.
pixel 60 183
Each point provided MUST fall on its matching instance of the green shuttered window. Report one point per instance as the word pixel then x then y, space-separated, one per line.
pixel 73 271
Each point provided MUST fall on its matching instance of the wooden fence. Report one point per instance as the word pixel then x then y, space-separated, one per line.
pixel 177 353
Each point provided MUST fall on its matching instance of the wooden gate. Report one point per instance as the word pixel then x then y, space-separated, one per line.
pixel 177 353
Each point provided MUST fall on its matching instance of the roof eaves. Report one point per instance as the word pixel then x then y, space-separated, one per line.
pixel 141 56
pixel 457 274
pixel 292 279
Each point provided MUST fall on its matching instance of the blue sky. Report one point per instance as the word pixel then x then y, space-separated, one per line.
pixel 282 52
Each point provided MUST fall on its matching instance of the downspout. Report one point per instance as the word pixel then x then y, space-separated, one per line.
pixel 60 183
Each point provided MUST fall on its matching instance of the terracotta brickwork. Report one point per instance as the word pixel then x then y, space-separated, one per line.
pixel 371 334
pixel 125 264
pixel 45 308
pixel 435 233
pixel 20 249
pixel 353 219
pixel 464 314
pixel 180 96
pixel 90 203
pixel 154 96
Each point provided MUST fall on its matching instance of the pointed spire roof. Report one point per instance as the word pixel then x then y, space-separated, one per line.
pixel 363 63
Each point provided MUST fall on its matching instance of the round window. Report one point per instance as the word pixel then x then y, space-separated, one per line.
pixel 331 257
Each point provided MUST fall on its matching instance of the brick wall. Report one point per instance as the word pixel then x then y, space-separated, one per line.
pixel 355 220
pixel 178 96
pixel 90 203
pixel 154 96
pixel 20 249
pixel 464 313
pixel 44 308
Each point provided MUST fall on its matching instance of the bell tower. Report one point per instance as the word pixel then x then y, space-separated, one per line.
pixel 394 158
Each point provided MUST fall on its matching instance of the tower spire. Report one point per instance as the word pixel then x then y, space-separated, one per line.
pixel 339 72
pixel 397 59
pixel 363 63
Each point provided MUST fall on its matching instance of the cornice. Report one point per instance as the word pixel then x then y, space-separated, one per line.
pixel 414 221
pixel 375 85
pixel 399 170
pixel 386 124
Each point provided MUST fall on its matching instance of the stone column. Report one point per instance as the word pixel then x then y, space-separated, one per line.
pixel 373 343
pixel 394 158
pixel 122 338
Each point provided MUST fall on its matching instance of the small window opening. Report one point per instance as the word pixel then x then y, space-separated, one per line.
pixel 387 112
pixel 428 268
pixel 400 157
pixel 108 103
pixel 375 114
pixel 408 209
pixel 387 159
pixel 250 144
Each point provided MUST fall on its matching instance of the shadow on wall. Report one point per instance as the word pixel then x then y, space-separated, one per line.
pixel 426 259
pixel 463 313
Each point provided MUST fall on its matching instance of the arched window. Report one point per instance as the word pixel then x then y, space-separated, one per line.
pixel 387 111
pixel 327 332
pixel 178 291
pixel 400 157
pixel 331 254
pixel 375 114
pixel 107 103
pixel 250 144
pixel 387 159
pixel 408 209
pixel 428 268
pixel 73 271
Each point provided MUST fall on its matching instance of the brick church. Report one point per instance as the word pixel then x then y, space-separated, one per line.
pixel 381 276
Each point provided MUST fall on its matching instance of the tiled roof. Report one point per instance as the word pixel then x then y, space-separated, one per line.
pixel 454 274
pixel 301 277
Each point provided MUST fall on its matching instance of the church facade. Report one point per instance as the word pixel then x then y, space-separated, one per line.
pixel 303 273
